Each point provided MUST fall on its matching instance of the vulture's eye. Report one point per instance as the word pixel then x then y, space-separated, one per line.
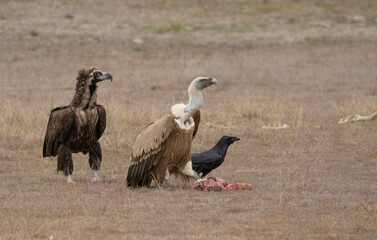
pixel 96 74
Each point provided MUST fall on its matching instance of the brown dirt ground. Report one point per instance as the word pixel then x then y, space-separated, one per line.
pixel 300 62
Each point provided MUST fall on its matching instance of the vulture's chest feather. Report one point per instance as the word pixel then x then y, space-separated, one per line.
pixel 181 137
pixel 86 121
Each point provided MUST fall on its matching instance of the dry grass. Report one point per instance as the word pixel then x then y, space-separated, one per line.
pixel 300 62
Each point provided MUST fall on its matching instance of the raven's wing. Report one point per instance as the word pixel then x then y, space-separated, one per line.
pixel 101 124
pixel 148 144
pixel 206 157
pixel 62 119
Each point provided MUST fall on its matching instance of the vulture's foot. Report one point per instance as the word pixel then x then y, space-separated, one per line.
pixel 95 177
pixel 188 171
pixel 69 180
pixel 197 177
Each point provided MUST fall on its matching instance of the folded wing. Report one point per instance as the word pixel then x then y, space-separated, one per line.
pixel 62 120
pixel 205 157
pixel 148 144
pixel 101 124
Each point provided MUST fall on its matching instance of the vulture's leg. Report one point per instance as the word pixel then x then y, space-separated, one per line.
pixel 95 158
pixel 69 180
pixel 188 171
pixel 65 162
pixel 166 178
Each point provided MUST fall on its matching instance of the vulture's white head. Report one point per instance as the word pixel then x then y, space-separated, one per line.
pixel 200 83
pixel 195 93
pixel 184 112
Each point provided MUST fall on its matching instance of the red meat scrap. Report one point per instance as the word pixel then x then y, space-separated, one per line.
pixel 239 186
pixel 208 185
pixel 218 184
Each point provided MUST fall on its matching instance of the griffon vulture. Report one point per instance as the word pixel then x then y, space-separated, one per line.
pixel 164 146
pixel 203 163
pixel 78 126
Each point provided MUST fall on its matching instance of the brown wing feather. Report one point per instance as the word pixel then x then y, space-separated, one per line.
pixel 148 144
pixel 101 124
pixel 196 118
pixel 151 139
pixel 62 119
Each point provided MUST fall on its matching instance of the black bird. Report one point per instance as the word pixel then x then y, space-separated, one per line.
pixel 206 161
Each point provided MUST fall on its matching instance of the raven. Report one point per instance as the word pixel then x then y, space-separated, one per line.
pixel 206 161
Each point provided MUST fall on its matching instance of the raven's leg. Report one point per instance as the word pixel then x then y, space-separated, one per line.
pixel 95 159
pixel 196 169
pixel 187 170
pixel 204 173
pixel 65 162
pixel 200 171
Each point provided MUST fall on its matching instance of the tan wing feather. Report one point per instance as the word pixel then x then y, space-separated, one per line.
pixel 145 151
pixel 151 140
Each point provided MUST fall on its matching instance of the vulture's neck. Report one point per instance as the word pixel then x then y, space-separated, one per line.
pixel 85 96
pixel 195 101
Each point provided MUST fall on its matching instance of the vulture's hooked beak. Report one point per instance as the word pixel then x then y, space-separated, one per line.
pixel 213 80
pixel 206 82
pixel 104 76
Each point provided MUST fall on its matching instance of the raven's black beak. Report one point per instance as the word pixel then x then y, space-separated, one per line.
pixel 105 76
pixel 235 139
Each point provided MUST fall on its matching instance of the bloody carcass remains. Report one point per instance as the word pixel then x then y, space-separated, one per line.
pixel 218 184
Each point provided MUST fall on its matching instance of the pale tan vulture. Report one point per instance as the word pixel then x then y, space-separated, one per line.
pixel 164 147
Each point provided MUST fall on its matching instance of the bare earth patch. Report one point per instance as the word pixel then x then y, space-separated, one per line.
pixel 302 63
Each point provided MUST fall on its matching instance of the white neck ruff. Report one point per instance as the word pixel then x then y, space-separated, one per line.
pixel 178 111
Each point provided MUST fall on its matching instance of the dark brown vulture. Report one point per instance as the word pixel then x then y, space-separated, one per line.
pixel 78 126
pixel 163 147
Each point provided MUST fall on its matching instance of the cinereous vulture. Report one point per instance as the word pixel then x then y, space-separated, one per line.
pixel 163 147
pixel 78 126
